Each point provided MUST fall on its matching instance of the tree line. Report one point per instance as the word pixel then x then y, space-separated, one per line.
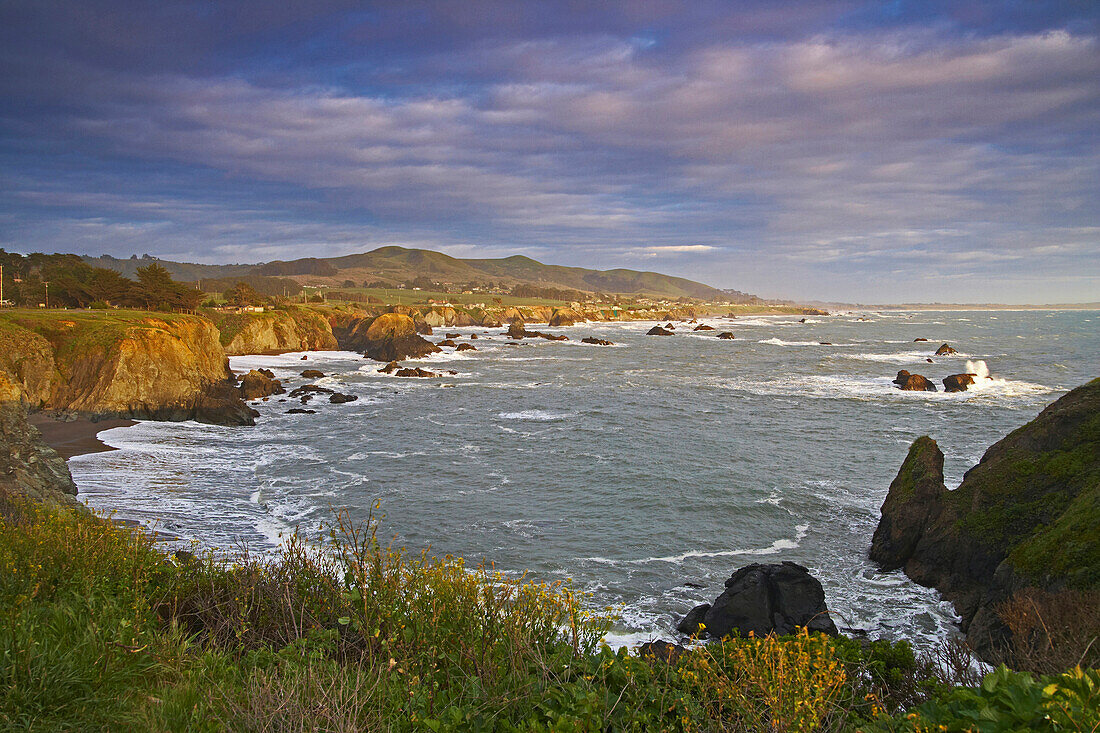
pixel 66 280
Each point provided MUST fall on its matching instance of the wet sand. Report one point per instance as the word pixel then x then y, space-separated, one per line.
pixel 77 437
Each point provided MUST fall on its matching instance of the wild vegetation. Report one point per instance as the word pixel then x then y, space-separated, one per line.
pixel 99 628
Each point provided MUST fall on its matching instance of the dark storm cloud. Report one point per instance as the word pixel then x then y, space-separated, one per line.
pixel 814 149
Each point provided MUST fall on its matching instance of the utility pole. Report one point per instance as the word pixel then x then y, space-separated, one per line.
pixel 46 285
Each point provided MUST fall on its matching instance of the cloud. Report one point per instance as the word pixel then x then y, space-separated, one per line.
pixel 825 135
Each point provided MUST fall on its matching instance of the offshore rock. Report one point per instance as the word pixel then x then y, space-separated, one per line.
pixel 726 335
pixel 388 337
pixel 958 382
pixel 658 331
pixel 257 384
pixel 944 350
pixel 761 599
pixel 913 382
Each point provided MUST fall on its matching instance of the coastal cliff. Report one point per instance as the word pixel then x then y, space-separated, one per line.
pixel 1025 516
pixel 121 364
pixel 29 467
pixel 291 329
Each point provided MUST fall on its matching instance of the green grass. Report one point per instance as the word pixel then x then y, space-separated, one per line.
pixel 99 629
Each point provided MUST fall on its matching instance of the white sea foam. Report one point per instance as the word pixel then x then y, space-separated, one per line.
pixel 781 342
pixel 536 415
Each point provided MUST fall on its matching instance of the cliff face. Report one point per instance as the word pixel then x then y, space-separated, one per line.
pixel 28 466
pixel 122 365
pixel 294 329
pixel 1025 516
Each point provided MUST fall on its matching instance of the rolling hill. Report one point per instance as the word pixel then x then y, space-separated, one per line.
pixel 398 265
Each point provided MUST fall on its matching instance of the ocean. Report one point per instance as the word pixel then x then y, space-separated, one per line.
pixel 645 472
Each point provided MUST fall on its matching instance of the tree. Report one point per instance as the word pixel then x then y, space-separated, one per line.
pixel 243 294
pixel 158 291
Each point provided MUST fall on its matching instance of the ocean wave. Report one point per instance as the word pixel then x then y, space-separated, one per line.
pixel 901 357
pixel 775 547
pixel 536 415
pixel 781 342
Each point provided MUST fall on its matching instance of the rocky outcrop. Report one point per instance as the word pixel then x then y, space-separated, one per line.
pixel 913 382
pixel 417 372
pixel 447 342
pixel 726 335
pixel 466 347
pixel 958 382
pixel 945 350
pixel 257 385
pixel 272 332
pixel 1024 516
pixel 565 317
pixel 763 599
pixel 703 327
pixel 658 331
pixel 388 337
pixel 516 329
pixel 29 467
pixel 338 398
pixel 312 373
pixel 131 364
pixel 595 341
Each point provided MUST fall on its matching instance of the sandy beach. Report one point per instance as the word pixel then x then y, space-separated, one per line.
pixel 75 437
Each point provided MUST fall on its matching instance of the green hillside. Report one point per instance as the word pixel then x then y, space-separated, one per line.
pixel 398 265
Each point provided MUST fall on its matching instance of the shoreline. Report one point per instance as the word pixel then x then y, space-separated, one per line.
pixel 75 437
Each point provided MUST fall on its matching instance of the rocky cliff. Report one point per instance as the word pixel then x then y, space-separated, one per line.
pixel 292 329
pixel 1025 516
pixel 28 466
pixel 121 364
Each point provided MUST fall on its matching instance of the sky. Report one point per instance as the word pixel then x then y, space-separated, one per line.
pixel 836 150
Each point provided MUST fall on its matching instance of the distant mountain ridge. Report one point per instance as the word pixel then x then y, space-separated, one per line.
pixel 399 264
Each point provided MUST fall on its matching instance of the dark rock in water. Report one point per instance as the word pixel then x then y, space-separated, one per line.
pixel 260 383
pixel 913 382
pixel 958 382
pixel 339 399
pixel 690 624
pixel 312 373
pixel 703 327
pixel 423 327
pixel 1024 517
pixel 452 335
pixel 473 336
pixel 418 372
pixel 304 357
pixel 697 586
pixel 310 390
pixel 825 343
pixel 929 361
pixel 919 339
pixel 662 650
pixel 516 329
pixel 801 320
pixel 466 347
pixel 390 368
pixel 300 411
pixel 762 599
pixel 945 349
pixel 658 331
pixel 726 335
pixel 596 341
pixel 447 342
pixel 670 327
